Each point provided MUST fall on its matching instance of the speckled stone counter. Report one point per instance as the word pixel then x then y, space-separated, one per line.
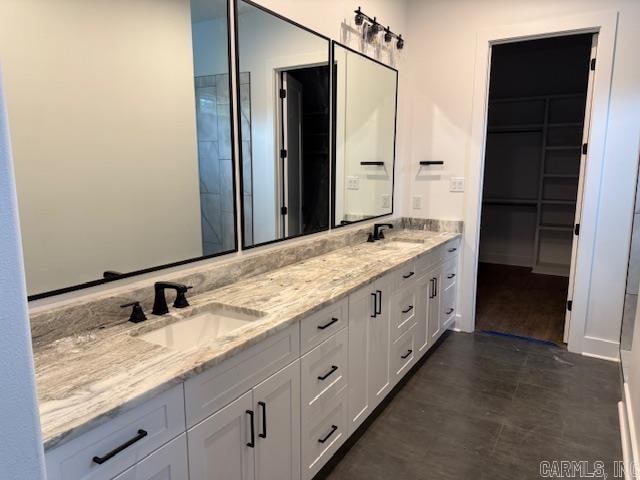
pixel 85 379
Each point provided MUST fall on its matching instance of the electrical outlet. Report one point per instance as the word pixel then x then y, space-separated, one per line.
pixel 456 184
pixel 353 183
pixel 386 201
pixel 417 202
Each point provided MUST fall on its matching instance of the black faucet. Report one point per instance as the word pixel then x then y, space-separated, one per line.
pixel 160 301
pixel 377 230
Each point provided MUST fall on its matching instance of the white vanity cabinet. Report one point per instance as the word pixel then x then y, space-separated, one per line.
pixel 257 436
pixel 167 463
pixel 369 344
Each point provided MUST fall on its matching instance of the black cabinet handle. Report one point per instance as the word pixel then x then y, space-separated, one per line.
pixel 378 164
pixel 432 162
pixel 430 288
pixel 252 442
pixel 409 308
pixel 409 352
pixel 327 325
pixel 451 276
pixel 325 438
pixel 326 375
pixel 375 305
pixel 264 420
pixel 379 310
pixel 451 250
pixel 100 460
pixel 409 275
pixel 450 311
pixel 435 287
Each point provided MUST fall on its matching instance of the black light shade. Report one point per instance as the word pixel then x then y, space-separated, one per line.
pixel 359 17
pixel 400 43
pixel 387 35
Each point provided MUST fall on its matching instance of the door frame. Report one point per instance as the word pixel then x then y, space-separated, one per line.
pixel 604 24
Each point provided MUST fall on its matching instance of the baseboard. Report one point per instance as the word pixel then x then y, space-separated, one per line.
pixel 502 259
pixel 601 348
pixel 628 432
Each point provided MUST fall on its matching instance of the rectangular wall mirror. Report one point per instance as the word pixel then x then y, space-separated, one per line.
pixel 365 97
pixel 284 120
pixel 120 122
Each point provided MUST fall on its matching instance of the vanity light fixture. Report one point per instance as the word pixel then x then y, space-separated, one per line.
pixel 371 28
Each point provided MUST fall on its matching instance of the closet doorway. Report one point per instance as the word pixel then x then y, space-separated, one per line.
pixel 535 155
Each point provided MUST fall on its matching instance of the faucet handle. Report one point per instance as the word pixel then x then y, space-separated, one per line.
pixel 181 298
pixel 137 314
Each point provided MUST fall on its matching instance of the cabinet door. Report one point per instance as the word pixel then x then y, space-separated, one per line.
pixel 166 463
pixel 435 329
pixel 380 342
pixel 219 446
pixel 277 406
pixel 422 314
pixel 362 308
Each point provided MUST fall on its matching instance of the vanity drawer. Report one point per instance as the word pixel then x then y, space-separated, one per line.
pixel 319 326
pixel 405 276
pixel 449 273
pixel 168 463
pixel 324 369
pixel 403 353
pixel 450 250
pixel 323 431
pixel 145 429
pixel 447 306
pixel 403 311
pixel 427 261
pixel 215 388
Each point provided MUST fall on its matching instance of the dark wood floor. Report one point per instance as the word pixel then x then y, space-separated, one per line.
pixel 484 407
pixel 514 300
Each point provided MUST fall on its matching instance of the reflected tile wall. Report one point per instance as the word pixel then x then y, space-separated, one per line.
pixel 215 159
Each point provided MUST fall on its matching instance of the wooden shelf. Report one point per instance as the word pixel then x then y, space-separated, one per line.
pixel 560 175
pixel 558 202
pixel 563 147
pixel 515 128
pixel 510 201
pixel 556 269
pixel 556 228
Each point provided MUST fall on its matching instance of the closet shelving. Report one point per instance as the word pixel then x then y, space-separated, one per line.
pixel 534 151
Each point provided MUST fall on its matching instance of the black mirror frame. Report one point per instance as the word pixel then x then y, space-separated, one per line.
pixel 239 119
pixel 119 276
pixel 334 100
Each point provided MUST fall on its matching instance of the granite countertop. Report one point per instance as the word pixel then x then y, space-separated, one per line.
pixel 86 379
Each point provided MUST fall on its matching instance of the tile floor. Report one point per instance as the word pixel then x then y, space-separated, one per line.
pixel 487 407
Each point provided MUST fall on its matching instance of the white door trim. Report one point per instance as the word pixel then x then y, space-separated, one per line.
pixel 605 24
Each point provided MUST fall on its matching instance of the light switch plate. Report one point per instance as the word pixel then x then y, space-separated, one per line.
pixel 417 202
pixel 353 183
pixel 386 201
pixel 456 184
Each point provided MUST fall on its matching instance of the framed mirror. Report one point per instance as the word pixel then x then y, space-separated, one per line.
pixel 120 122
pixel 364 109
pixel 284 119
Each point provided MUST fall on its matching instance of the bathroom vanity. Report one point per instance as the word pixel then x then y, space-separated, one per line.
pixel 318 344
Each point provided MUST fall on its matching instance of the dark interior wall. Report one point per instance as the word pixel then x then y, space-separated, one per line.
pixel 548 66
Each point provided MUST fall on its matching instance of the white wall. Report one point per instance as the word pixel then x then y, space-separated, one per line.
pixel 442 82
pixel 21 454
pixel 101 103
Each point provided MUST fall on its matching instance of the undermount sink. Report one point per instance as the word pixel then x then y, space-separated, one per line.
pixel 399 243
pixel 201 328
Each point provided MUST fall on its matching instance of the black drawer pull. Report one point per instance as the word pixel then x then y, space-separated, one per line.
pixel 333 430
pixel 450 311
pixel 409 352
pixel 409 308
pixel 327 325
pixel 375 305
pixel 409 275
pixel 379 311
pixel 252 442
pixel 326 375
pixel 264 420
pixel 451 250
pixel 100 460
pixel 451 276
